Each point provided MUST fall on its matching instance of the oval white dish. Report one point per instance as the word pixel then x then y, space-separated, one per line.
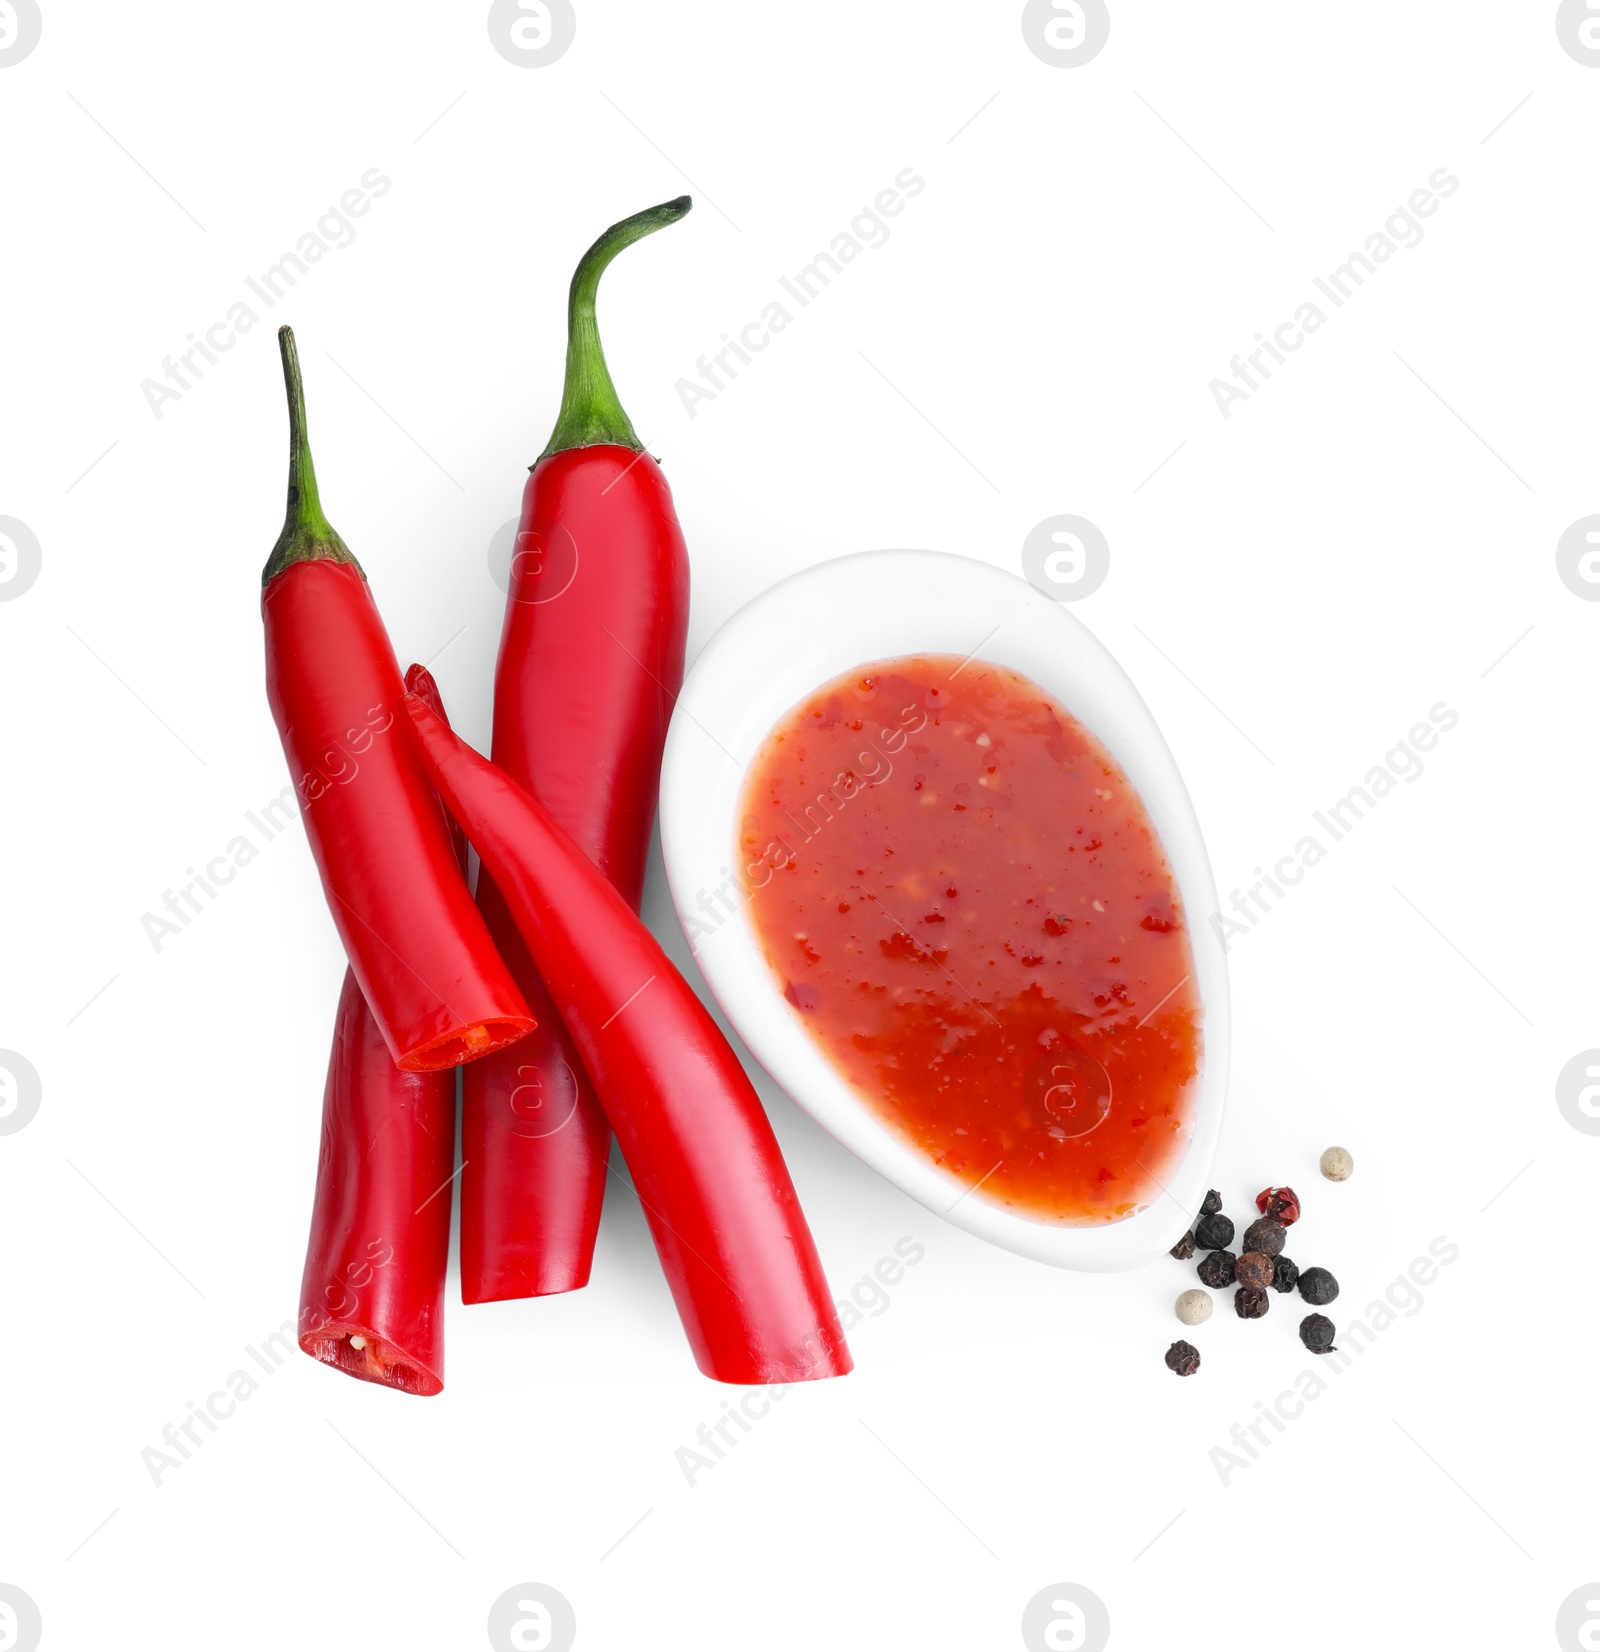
pixel 796 636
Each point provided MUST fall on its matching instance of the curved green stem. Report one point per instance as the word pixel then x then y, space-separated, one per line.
pixel 307 534
pixel 590 412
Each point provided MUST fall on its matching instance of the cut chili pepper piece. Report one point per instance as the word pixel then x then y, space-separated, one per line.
pixel 371 1296
pixel 419 949
pixel 716 1193
pixel 372 1293
pixel 591 660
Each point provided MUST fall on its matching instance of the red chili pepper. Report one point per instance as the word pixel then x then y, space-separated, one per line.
pixel 591 660
pixel 419 948
pixel 372 1294
pixel 722 1209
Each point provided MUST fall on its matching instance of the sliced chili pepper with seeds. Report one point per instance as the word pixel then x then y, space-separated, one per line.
pixel 372 1291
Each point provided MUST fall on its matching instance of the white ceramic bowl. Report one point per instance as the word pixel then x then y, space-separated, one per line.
pixel 763 662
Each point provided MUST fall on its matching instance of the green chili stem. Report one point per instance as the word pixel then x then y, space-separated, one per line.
pixel 307 534
pixel 590 412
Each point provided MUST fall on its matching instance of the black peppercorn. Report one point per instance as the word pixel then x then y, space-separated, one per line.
pixel 1318 1287
pixel 1184 1248
pixel 1184 1358
pixel 1216 1269
pixel 1316 1332
pixel 1249 1302
pixel 1214 1232
pixel 1211 1204
pixel 1284 1274
pixel 1254 1269
pixel 1266 1236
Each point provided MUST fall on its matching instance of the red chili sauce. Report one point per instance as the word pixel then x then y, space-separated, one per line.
pixel 963 897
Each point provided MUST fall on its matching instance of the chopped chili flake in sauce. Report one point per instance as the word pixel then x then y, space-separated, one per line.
pixel 964 900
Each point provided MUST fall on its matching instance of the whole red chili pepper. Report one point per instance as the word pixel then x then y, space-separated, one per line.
pixel 372 1294
pixel 591 660
pixel 722 1209
pixel 419 948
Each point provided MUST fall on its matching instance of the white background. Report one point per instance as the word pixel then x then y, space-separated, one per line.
pixel 1363 539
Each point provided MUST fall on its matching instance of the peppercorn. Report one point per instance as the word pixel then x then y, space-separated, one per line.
pixel 1337 1165
pixel 1213 1232
pixel 1250 1303
pixel 1265 1236
pixel 1284 1274
pixel 1183 1358
pixel 1316 1332
pixel 1211 1204
pixel 1254 1269
pixel 1216 1269
pixel 1184 1248
pixel 1193 1307
pixel 1282 1204
pixel 1318 1287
